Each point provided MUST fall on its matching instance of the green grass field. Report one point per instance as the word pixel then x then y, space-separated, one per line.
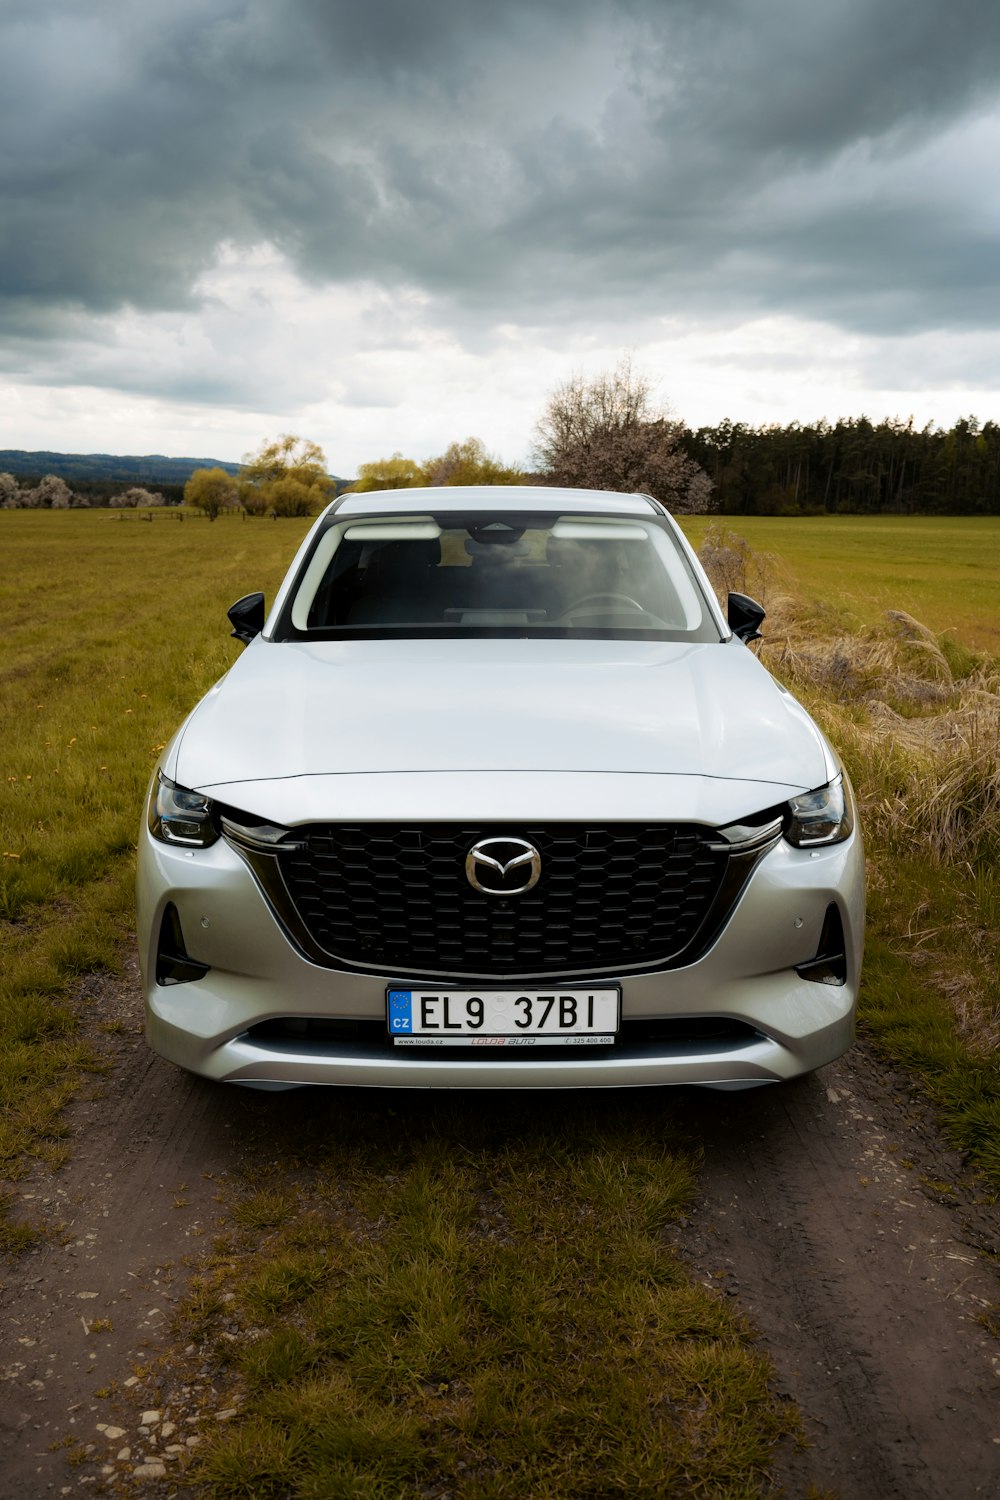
pixel 113 628
pixel 112 631
pixel 943 570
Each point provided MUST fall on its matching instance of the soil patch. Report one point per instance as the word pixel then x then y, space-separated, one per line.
pixel 834 1211
pixel 127 1218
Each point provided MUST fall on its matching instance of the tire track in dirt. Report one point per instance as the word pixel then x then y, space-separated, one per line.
pixel 135 1202
pixel 866 1292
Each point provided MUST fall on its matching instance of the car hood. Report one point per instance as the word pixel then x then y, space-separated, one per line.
pixel 394 708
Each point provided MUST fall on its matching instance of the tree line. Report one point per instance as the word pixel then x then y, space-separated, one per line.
pixel 608 433
pixel 51 492
pixel 850 467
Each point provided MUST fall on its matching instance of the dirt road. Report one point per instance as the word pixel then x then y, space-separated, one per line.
pixel 815 1212
pixel 866 1283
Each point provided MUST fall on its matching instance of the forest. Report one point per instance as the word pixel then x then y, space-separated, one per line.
pixel 850 467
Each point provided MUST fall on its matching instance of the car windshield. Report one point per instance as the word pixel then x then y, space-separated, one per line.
pixel 497 574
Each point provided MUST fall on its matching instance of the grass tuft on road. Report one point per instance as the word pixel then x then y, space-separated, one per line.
pixel 500 1315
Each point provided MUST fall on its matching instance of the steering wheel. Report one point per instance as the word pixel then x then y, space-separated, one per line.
pixel 577 606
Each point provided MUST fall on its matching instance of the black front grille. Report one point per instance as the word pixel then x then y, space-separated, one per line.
pixel 608 899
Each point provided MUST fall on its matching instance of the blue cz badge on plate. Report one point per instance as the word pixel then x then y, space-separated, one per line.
pixel 400 1010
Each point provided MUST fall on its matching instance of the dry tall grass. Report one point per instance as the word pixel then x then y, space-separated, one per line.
pixel 927 744
pixel 917 719
pixel 918 714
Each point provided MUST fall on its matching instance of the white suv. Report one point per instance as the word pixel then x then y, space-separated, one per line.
pixel 496 797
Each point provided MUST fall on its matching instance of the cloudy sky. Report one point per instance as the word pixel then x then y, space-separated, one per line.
pixel 386 225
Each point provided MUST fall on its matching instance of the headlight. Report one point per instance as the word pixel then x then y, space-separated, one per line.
pixel 177 816
pixel 825 816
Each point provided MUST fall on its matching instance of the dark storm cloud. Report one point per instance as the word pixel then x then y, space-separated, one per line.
pixel 519 161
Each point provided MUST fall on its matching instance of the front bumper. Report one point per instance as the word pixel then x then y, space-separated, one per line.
pixel 787 1025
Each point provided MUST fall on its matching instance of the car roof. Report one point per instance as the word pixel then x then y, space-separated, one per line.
pixel 493 497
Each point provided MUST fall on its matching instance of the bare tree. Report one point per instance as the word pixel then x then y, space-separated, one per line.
pixel 606 434
pixel 10 493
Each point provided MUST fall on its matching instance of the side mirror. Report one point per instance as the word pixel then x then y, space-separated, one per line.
pixel 744 615
pixel 247 617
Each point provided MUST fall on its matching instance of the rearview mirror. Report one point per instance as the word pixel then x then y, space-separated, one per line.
pixel 247 617
pixel 744 615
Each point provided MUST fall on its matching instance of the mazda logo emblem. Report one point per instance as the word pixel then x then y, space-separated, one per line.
pixel 503 866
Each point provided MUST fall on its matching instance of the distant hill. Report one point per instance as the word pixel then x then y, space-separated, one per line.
pixel 151 470
pixel 100 476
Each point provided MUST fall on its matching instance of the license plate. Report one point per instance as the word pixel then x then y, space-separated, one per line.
pixel 502 1018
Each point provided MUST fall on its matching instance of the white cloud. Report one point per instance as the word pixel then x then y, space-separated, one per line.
pixel 365 371
pixel 389 226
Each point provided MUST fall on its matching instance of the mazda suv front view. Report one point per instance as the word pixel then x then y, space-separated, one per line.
pixel 496 796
